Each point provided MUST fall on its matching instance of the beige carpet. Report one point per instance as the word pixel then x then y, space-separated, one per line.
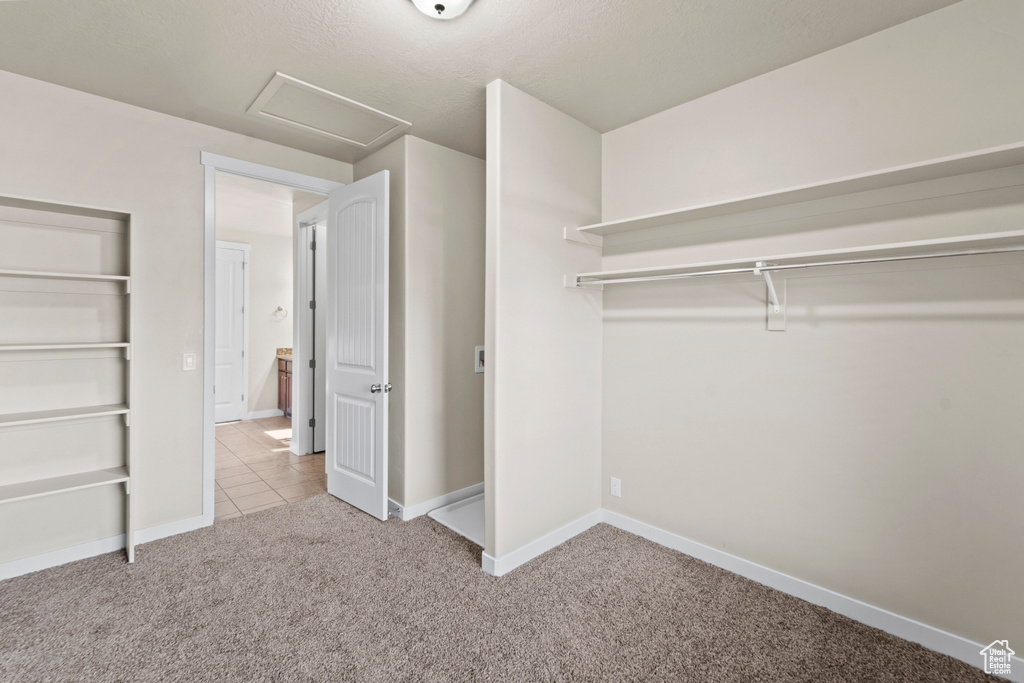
pixel 314 591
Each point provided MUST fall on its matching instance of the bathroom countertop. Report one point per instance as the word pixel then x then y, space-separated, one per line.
pixel 284 354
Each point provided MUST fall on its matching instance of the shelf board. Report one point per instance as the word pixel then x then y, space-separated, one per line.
pixel 61 347
pixel 933 169
pixel 995 240
pixel 63 276
pixel 71 482
pixel 41 416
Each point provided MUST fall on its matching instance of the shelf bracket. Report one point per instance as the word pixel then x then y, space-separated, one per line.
pixel 128 487
pixel 776 307
pixel 127 419
pixel 772 296
pixel 127 286
pixel 574 235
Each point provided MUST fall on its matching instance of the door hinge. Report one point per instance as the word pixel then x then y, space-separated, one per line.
pixel 243 265
pixel 312 305
pixel 312 422
pixel 312 363
pixel 243 397
pixel 312 245
pixel 243 353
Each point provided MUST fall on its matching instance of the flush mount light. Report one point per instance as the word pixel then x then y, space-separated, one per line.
pixel 442 9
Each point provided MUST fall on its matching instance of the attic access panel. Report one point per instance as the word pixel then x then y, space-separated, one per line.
pixel 302 105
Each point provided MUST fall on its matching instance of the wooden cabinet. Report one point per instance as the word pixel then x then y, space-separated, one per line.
pixel 284 386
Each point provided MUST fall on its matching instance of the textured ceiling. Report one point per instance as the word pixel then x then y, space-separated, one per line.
pixel 604 63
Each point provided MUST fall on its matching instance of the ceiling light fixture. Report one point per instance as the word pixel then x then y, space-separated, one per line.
pixel 442 9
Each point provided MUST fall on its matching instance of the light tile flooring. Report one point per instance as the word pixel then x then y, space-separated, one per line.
pixel 256 471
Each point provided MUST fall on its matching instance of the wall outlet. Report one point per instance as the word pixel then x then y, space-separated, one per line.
pixel 478 359
pixel 188 361
pixel 616 487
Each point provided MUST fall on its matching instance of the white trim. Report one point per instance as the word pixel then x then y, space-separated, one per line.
pixel 155 533
pixel 904 627
pixel 278 176
pixel 27 565
pixel 260 414
pixel 209 340
pixel 303 333
pixel 499 566
pixel 419 509
pixel 213 163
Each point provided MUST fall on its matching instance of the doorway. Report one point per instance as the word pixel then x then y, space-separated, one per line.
pixel 266 425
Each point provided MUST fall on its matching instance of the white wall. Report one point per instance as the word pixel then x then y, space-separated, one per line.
pixel 543 378
pixel 65 146
pixel 437 307
pixel 446 232
pixel 271 282
pixel 874 447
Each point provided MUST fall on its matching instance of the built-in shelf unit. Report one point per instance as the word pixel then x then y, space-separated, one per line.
pixel 879 190
pixel 870 196
pixel 830 194
pixel 66 356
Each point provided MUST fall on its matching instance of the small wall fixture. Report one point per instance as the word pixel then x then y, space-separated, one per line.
pixel 442 9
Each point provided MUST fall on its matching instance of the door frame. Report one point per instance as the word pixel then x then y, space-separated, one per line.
pixel 304 332
pixel 246 250
pixel 213 163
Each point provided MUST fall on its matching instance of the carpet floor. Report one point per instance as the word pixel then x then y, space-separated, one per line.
pixel 315 591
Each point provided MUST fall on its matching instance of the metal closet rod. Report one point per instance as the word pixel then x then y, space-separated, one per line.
pixel 757 269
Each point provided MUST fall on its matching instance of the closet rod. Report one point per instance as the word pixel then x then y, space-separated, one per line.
pixel 755 269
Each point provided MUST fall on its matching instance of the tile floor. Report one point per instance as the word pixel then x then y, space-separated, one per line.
pixel 256 471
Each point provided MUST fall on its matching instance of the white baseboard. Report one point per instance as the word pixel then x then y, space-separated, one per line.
pixel 263 413
pixel 498 566
pixel 27 565
pixel 154 533
pixel 419 509
pixel 904 627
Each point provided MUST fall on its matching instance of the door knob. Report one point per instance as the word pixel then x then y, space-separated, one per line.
pixel 374 388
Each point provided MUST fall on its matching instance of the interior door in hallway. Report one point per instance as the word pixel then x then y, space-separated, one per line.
pixel 230 373
pixel 357 344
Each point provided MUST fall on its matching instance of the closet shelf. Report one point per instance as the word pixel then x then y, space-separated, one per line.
pixel 61 414
pixel 990 243
pixel 64 276
pixel 933 169
pixel 61 347
pixel 70 482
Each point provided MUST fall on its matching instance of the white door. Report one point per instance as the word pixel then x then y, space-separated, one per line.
pixel 230 375
pixel 356 303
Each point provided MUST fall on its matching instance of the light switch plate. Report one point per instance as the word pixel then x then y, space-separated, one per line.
pixel 188 361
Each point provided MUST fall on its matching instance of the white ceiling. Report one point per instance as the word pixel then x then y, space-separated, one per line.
pixel 256 206
pixel 604 63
